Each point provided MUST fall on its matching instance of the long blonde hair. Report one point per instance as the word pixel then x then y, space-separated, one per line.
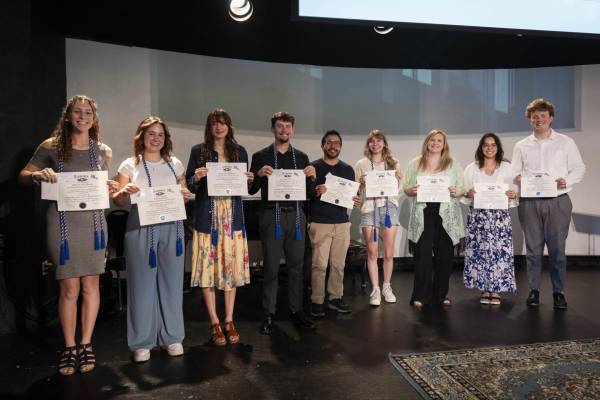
pixel 386 153
pixel 445 160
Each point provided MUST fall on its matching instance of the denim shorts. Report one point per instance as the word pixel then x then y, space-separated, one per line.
pixel 366 219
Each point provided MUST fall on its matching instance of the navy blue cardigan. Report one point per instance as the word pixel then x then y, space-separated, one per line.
pixel 202 212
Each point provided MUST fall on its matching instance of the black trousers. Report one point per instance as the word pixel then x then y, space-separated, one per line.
pixel 273 250
pixel 433 259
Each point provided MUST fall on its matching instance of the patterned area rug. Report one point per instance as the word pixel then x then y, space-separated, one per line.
pixel 556 370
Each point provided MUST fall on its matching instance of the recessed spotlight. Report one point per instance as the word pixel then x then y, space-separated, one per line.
pixel 383 30
pixel 240 10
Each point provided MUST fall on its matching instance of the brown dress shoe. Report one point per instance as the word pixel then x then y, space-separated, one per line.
pixel 216 335
pixel 232 335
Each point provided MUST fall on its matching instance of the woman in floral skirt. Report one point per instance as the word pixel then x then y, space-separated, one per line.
pixel 489 262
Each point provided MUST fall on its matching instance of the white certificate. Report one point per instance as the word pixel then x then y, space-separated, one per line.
pixel 381 184
pixel 339 191
pixel 227 179
pixel 287 184
pixel 433 189
pixel 490 196
pixel 83 191
pixel 49 191
pixel 159 204
pixel 538 185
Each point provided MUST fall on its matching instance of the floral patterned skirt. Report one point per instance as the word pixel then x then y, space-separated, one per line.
pixel 489 261
pixel 226 265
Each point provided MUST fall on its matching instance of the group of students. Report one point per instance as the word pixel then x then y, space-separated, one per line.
pixel 220 262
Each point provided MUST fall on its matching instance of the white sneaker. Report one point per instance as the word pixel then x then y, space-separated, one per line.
pixel 375 297
pixel 141 355
pixel 388 295
pixel 175 349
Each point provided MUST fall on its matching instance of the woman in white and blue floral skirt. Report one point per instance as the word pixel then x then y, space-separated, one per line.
pixel 489 262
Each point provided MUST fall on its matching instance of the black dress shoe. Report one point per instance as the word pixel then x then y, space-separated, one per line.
pixel 266 328
pixel 533 300
pixel 560 303
pixel 302 321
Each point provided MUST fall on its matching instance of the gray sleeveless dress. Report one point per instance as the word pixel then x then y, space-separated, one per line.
pixel 84 260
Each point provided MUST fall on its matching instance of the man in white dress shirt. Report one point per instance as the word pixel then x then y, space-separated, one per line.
pixel 545 220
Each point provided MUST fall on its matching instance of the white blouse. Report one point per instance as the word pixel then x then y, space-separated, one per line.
pixel 160 173
pixel 503 174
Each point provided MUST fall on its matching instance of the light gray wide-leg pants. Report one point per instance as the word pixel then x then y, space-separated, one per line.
pixel 154 295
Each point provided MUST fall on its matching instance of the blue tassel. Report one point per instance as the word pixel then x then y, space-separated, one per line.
pixel 277 231
pixel 374 234
pixel 62 253
pixel 96 241
pixel 179 247
pixel 152 260
pixel 298 233
pixel 67 253
pixel 244 231
pixel 214 237
pixel 388 221
pixel 102 240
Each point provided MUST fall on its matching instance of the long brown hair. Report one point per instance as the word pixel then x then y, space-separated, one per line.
pixel 386 153
pixel 445 160
pixel 138 139
pixel 219 115
pixel 63 132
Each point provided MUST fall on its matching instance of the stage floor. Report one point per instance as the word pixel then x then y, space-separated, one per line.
pixel 345 358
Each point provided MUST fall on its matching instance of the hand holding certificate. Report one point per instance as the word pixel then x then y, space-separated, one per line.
pixel 159 204
pixel 538 184
pixel 287 185
pixel 433 189
pixel 340 191
pixel 490 196
pixel 80 191
pixel 227 179
pixel 381 184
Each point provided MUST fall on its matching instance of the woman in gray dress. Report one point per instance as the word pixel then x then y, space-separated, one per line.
pixel 75 239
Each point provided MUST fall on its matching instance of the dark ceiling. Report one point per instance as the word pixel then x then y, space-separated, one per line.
pixel 272 34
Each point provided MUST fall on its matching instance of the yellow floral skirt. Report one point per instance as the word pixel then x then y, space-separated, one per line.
pixel 226 265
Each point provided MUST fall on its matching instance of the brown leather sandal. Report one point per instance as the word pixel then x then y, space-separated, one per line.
pixel 232 335
pixel 216 335
pixel 495 299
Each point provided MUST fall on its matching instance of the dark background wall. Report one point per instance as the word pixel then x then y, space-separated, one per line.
pixel 32 92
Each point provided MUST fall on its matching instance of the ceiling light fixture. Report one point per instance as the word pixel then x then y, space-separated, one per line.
pixel 240 10
pixel 383 30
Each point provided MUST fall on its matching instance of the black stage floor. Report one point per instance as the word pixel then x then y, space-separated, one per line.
pixel 345 358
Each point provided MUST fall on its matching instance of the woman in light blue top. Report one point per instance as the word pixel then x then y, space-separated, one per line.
pixel 434 227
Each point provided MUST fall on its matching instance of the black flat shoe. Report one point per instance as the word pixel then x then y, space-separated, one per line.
pixel 266 328
pixel 560 303
pixel 302 321
pixel 533 300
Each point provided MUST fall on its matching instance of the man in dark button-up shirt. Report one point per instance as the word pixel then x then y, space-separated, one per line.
pixel 283 240
pixel 329 230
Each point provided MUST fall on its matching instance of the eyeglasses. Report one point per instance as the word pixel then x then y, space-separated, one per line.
pixel 333 143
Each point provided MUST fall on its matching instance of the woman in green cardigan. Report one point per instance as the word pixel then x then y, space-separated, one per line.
pixel 434 227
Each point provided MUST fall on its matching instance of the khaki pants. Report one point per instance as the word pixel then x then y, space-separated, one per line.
pixel 329 244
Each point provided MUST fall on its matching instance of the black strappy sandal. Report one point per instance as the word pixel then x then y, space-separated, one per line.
pixel 68 359
pixel 86 358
